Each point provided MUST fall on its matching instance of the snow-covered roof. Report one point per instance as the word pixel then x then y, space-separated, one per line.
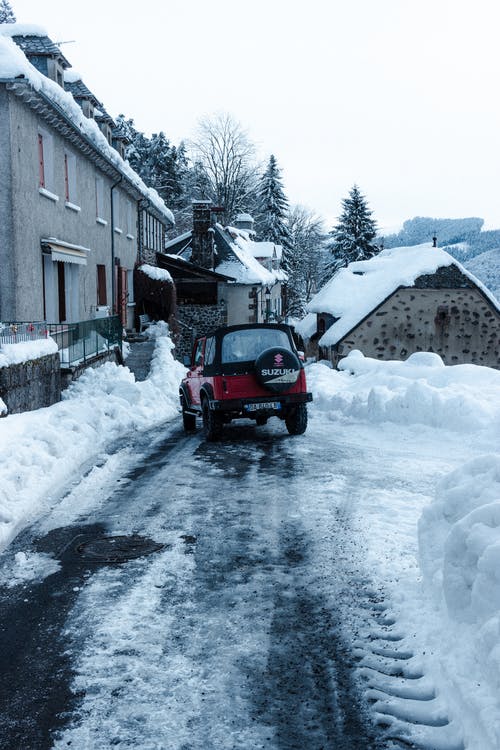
pixel 244 267
pixel 22 29
pixel 15 65
pixel 256 249
pixel 307 326
pixel 244 217
pixel 179 238
pixel 356 290
pixel 153 272
pixel 33 40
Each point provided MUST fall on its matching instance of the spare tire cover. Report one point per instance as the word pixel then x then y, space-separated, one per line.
pixel 277 369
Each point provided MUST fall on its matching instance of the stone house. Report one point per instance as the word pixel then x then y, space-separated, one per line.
pixel 402 301
pixel 75 219
pixel 222 275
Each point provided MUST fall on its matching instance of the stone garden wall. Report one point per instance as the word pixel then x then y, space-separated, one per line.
pixel 31 385
pixel 193 321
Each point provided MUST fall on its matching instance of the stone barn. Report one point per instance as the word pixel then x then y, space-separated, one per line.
pixel 406 300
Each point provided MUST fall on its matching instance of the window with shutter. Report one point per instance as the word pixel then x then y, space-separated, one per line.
pixel 40 161
pixel 66 177
pixel 101 285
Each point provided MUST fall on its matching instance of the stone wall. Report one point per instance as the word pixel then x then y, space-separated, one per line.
pixel 193 321
pixel 461 325
pixel 31 385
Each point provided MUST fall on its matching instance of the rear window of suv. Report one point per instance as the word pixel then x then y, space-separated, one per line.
pixel 246 345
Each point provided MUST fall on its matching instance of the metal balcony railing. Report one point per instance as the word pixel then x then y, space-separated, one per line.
pixel 77 342
pixel 15 332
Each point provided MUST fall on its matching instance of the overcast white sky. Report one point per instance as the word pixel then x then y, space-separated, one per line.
pixel 398 96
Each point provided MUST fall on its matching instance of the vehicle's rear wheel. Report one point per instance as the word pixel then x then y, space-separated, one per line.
pixel 296 420
pixel 188 419
pixel 212 422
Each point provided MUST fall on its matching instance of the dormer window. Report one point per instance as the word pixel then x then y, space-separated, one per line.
pixel 87 108
pixel 55 71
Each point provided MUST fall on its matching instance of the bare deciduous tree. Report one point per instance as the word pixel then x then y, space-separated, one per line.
pixel 306 257
pixel 222 149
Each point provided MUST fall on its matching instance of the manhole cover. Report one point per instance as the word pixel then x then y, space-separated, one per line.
pixel 117 548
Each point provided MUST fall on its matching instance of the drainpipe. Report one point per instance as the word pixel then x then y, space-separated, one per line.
pixel 113 283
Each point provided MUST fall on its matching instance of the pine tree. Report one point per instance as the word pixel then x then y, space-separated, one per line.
pixel 6 13
pixel 272 209
pixel 162 166
pixel 353 236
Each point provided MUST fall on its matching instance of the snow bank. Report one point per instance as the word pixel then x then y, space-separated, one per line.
pixel 459 545
pixel 420 390
pixel 24 351
pixel 44 449
pixel 459 540
pixel 451 614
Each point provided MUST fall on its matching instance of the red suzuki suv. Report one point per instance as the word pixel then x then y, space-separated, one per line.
pixel 247 371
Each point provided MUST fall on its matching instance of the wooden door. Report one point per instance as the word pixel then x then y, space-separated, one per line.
pixel 122 295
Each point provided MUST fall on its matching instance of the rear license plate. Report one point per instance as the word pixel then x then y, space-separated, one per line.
pixel 266 405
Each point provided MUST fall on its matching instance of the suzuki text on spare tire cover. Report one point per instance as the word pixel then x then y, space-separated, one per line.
pixel 249 371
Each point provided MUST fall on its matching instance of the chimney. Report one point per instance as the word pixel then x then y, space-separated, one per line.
pixel 202 244
pixel 245 222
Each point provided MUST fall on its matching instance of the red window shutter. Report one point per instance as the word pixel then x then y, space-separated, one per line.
pixel 40 161
pixel 66 177
pixel 101 285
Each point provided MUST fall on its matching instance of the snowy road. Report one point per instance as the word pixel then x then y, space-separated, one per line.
pixel 244 630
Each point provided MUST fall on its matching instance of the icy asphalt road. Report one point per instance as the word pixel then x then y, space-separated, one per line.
pixel 237 634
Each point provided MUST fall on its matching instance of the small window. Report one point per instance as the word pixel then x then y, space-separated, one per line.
pixel 45 160
pixel 130 219
pixel 198 356
pixel 41 167
pixel 70 178
pixel 210 351
pixel 99 198
pixel 130 286
pixel 116 210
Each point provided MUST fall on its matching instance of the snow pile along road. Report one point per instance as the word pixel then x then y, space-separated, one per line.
pixel 420 390
pixel 459 540
pixel 449 616
pixel 44 449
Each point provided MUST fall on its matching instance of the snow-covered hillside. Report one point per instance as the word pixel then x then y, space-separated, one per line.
pixel 486 267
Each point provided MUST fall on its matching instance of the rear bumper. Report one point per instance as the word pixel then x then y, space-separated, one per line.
pixel 238 404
